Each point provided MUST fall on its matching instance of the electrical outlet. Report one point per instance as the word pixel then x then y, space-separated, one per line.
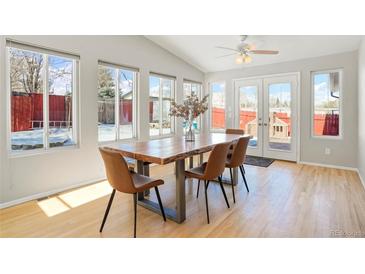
pixel 327 151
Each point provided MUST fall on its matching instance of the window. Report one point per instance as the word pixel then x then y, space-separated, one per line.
pixel 43 88
pixel 217 117
pixel 162 91
pixel 116 110
pixel 327 92
pixel 196 88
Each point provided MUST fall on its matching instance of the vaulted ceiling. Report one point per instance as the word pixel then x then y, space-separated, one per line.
pixel 201 52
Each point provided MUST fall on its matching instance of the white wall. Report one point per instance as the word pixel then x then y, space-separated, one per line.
pixel 361 156
pixel 343 152
pixel 24 176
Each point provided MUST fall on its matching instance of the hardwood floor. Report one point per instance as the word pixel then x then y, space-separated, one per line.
pixel 285 200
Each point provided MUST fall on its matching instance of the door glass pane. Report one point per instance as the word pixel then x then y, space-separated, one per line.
pixel 126 82
pixel 106 104
pixel 26 69
pixel 280 116
pixel 60 101
pixel 248 112
pixel 154 106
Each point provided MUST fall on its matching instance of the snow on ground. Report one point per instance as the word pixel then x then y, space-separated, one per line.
pixel 107 132
pixel 24 140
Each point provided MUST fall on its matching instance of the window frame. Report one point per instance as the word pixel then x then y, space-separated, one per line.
pixel 45 52
pixel 136 76
pixel 200 96
pixel 340 117
pixel 160 100
pixel 219 130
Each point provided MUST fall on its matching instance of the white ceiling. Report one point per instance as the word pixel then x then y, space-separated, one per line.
pixel 201 52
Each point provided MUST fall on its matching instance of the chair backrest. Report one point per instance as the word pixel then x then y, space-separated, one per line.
pixel 239 151
pixel 235 131
pixel 117 171
pixel 216 162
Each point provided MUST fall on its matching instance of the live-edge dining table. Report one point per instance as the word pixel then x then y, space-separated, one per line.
pixel 167 150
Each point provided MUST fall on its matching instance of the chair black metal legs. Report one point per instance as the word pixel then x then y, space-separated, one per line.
pixel 160 203
pixel 107 210
pixel 206 199
pixel 243 176
pixel 135 214
pixel 223 191
pixel 234 197
pixel 206 183
pixel 197 191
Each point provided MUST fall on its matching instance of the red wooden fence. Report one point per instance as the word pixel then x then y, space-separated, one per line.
pixel 326 124
pixel 28 108
pixel 25 109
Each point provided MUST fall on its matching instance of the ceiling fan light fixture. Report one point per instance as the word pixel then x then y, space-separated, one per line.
pixel 239 59
pixel 247 59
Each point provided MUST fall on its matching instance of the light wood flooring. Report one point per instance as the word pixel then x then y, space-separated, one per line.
pixel 285 200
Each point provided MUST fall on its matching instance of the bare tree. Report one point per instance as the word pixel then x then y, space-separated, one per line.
pixel 25 71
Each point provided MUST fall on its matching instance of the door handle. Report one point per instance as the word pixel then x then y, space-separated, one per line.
pixel 260 124
pixel 265 124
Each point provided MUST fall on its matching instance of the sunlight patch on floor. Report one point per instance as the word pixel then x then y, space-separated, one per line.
pixel 74 198
pixel 52 206
pixel 86 194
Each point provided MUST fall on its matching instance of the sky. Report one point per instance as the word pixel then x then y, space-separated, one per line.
pixel 321 89
pixel 155 87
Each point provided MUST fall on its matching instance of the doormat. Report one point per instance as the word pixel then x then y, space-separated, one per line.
pixel 258 161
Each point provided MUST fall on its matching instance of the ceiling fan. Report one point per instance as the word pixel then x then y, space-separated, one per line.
pixel 245 50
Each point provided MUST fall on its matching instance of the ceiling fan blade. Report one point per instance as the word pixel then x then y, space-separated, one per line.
pixel 228 49
pixel 226 55
pixel 261 51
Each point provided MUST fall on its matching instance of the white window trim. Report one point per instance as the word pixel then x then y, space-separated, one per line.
pixel 160 99
pixel 46 149
pixel 328 137
pixel 211 106
pixel 136 76
pixel 200 96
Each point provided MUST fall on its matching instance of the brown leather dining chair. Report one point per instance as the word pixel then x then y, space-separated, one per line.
pixel 124 180
pixel 236 159
pixel 211 170
pixel 237 131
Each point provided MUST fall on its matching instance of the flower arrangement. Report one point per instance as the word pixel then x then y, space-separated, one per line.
pixel 189 110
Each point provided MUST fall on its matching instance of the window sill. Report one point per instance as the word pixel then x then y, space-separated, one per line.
pixel 41 151
pixel 103 143
pixel 217 130
pixel 162 136
pixel 334 138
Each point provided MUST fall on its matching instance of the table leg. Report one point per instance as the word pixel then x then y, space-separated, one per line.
pixel 235 176
pixel 179 214
pixel 201 158
pixel 180 191
pixel 146 172
pixel 191 162
pixel 190 180
pixel 140 170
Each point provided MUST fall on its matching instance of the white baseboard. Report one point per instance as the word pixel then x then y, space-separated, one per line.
pixel 329 166
pixel 48 193
pixel 338 167
pixel 361 179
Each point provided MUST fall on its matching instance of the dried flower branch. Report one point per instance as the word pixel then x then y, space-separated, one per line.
pixel 190 108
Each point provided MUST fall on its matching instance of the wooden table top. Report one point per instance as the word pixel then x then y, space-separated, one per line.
pixel 167 150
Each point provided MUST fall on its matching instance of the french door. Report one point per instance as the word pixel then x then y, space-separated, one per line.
pixel 266 108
